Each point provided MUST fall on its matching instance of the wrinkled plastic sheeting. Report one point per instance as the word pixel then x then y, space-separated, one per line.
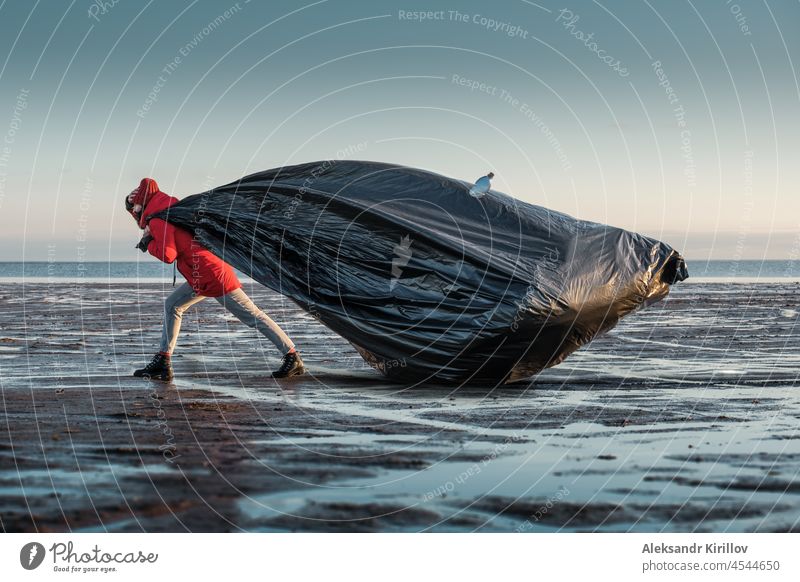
pixel 427 282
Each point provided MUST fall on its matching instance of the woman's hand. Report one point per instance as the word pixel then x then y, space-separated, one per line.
pixel 146 238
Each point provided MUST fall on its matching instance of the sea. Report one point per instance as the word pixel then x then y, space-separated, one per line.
pixel 742 271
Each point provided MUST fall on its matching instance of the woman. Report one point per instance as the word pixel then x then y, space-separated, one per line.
pixel 206 276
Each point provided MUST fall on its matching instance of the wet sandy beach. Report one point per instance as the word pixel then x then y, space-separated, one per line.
pixel 683 418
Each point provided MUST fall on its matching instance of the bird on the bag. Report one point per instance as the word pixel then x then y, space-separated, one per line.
pixel 482 185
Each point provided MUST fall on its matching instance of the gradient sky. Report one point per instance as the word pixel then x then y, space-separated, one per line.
pixel 272 83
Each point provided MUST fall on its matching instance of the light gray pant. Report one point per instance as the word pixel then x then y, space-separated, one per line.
pixel 237 302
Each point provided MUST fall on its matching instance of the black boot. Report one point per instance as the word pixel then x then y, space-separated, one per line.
pixel 292 365
pixel 159 368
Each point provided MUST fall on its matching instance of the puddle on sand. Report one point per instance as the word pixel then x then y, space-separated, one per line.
pixel 698 464
pixel 66 483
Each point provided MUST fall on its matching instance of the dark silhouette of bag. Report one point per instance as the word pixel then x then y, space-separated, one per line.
pixel 427 282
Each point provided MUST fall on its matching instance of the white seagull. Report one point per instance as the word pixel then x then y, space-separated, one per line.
pixel 482 185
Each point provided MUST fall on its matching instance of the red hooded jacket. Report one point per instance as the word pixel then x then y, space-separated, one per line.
pixel 205 272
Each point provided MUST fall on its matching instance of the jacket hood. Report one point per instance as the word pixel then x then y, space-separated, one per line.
pixel 152 200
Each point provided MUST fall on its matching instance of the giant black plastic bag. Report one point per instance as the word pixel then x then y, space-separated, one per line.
pixel 427 282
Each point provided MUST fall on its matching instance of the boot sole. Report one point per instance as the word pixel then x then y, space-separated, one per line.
pixel 292 374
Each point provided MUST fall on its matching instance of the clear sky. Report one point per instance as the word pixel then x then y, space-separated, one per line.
pixel 680 120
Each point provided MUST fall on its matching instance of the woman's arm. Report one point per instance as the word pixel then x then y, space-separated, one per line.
pixel 162 246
